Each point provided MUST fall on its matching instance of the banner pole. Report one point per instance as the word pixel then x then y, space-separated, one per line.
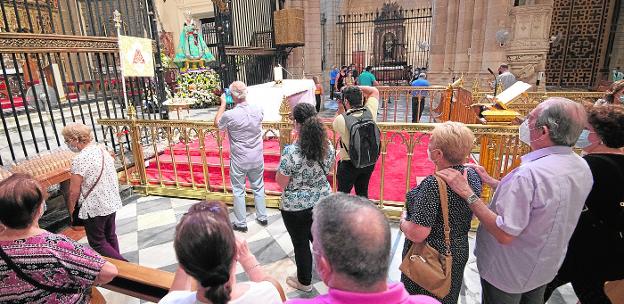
pixel 117 19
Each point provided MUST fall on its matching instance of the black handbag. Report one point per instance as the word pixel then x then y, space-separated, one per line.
pixel 75 220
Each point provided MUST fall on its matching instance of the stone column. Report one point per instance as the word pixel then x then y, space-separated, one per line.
pixel 307 58
pixel 438 42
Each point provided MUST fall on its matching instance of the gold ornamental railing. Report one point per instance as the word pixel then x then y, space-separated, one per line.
pixel 453 102
pixel 395 104
pixel 189 158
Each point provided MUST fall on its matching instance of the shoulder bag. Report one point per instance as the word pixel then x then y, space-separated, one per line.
pixel 76 221
pixel 33 282
pixel 427 267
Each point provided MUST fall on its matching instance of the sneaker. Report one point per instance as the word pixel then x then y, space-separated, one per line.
pixel 239 228
pixel 293 282
pixel 262 222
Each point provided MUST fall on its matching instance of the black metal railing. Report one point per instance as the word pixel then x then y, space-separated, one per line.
pixel 395 42
pixel 59 63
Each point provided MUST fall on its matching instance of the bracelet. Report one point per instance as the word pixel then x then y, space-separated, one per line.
pixel 250 268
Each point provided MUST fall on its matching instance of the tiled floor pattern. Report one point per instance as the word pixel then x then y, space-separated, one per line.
pixel 145 228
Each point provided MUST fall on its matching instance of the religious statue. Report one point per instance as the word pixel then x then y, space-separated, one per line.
pixel 388 47
pixel 192 48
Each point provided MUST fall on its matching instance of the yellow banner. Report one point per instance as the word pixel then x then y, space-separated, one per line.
pixel 137 56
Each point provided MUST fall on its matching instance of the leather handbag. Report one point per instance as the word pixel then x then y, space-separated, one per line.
pixel 76 221
pixel 427 267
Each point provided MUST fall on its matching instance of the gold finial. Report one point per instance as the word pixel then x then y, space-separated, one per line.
pixel 285 110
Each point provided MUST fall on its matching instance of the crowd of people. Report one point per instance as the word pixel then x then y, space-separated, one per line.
pixel 557 218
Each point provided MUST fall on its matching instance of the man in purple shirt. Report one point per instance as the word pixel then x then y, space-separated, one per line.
pixel 352 254
pixel 244 128
pixel 524 233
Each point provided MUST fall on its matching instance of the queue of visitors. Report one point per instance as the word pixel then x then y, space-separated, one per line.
pixel 555 219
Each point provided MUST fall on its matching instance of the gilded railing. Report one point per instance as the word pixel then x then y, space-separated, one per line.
pixel 189 158
pixel 395 103
pixel 528 101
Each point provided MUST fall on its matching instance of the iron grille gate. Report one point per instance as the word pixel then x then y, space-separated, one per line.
pixel 244 38
pixel 395 42
pixel 59 63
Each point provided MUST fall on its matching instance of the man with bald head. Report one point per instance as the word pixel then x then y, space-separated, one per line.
pixel 243 124
pixel 352 253
pixel 524 234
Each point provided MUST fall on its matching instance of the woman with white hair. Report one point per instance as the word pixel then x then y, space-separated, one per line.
pixel 422 222
pixel 93 190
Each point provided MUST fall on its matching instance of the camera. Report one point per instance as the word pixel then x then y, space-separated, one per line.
pixel 340 98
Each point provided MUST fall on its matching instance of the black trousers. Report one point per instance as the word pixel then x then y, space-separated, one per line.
pixel 418 105
pixel 349 176
pixel 299 225
pixel 588 290
pixel 318 102
pixel 331 90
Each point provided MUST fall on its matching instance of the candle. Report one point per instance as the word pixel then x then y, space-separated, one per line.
pixel 277 73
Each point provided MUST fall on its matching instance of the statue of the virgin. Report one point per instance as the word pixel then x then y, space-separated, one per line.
pixel 192 46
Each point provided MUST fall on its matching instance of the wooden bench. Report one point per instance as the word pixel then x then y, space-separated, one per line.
pixel 151 284
pixel 140 282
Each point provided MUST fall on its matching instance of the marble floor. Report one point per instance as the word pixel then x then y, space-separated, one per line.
pixel 145 227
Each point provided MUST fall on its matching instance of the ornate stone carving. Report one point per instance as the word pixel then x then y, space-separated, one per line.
pixel 44 43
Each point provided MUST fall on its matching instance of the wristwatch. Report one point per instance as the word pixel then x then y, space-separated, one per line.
pixel 473 198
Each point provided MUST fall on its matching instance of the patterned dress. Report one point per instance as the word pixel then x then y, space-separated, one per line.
pixel 52 260
pixel 423 208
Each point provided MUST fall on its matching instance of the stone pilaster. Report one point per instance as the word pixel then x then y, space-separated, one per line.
pixel 308 58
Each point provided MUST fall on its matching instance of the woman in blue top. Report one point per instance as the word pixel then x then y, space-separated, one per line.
pixel 302 174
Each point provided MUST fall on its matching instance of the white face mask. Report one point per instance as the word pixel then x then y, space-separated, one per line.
pixel 525 132
pixel 583 140
pixel 73 148
pixel 429 155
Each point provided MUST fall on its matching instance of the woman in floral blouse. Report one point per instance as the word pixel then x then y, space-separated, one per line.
pixel 303 176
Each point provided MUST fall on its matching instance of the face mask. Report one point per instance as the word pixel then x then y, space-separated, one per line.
pixel 73 148
pixel 429 155
pixel 525 132
pixel 583 140
pixel 622 98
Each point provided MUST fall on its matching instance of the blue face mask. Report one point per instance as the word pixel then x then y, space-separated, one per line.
pixel 622 98
pixel 583 140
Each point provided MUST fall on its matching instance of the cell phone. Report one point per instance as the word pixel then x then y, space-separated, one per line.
pixel 229 102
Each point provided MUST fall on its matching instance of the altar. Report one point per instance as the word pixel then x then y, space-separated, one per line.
pixel 268 96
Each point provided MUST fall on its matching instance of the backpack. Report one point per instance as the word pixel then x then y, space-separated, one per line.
pixel 364 138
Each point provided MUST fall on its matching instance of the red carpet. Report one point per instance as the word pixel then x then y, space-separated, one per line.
pixel 395 166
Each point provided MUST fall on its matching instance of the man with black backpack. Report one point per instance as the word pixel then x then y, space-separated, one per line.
pixel 359 138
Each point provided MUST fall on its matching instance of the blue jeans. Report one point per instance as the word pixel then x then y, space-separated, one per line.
pixel 256 180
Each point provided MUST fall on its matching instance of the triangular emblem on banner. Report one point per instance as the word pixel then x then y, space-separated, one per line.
pixel 138 57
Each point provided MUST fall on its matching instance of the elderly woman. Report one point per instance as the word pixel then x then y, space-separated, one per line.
pixel 208 252
pixel 93 190
pixel 597 243
pixel 615 95
pixel 449 147
pixel 37 266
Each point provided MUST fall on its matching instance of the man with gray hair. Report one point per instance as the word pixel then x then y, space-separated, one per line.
pixel 352 253
pixel 524 234
pixel 244 127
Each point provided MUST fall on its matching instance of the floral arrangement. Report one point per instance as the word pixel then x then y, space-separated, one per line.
pixel 201 85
